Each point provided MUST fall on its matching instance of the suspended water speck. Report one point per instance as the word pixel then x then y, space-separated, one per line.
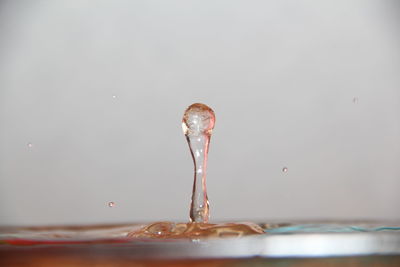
pixel 114 96
pixel 355 100
pixel 111 204
pixel 284 169
pixel 30 145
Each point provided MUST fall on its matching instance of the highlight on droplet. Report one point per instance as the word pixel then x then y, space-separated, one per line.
pixel 30 145
pixel 111 204
pixel 285 169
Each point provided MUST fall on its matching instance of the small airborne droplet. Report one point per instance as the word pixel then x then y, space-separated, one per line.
pixel 114 96
pixel 30 145
pixel 355 100
pixel 111 204
pixel 284 169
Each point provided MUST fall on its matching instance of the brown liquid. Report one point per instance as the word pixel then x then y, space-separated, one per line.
pixel 170 230
pixel 197 124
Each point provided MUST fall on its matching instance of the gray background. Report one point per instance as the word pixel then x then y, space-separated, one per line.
pixel 99 87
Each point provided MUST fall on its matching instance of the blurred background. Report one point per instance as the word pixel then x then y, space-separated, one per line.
pixel 92 94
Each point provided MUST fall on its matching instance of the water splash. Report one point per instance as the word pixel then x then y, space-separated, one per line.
pixel 197 124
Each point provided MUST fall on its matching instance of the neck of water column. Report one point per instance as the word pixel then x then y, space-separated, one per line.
pixel 199 208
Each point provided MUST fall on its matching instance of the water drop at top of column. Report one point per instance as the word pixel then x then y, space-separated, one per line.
pixel 198 119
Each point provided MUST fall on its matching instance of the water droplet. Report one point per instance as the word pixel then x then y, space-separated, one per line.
pixel 30 145
pixel 111 204
pixel 284 169
pixel 355 100
pixel 197 124
pixel 114 96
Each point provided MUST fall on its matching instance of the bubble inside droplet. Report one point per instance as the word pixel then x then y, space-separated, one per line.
pixel 111 204
pixel 30 145
pixel 284 169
